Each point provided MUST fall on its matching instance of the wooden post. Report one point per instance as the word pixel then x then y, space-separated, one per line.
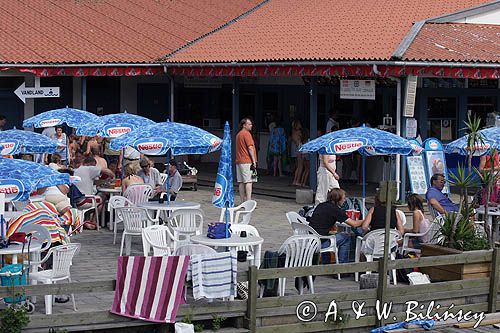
pixel 492 297
pixel 382 267
pixel 252 298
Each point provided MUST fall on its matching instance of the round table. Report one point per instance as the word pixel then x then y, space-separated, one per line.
pixel 111 191
pixel 233 241
pixel 15 249
pixel 169 207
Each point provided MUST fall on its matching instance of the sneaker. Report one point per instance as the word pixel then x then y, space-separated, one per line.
pixel 62 299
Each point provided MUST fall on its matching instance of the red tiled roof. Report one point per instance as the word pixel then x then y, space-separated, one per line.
pixel 295 30
pixel 456 42
pixel 107 31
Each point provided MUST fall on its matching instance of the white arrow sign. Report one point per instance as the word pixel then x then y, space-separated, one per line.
pixel 38 92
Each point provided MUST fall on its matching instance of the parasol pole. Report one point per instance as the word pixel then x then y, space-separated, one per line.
pixel 123 164
pixel 67 148
pixel 363 165
pixel 227 218
pixel 169 154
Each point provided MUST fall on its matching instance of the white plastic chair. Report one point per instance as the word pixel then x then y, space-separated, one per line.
pixel 299 251
pixel 402 216
pixel 191 249
pixel 239 214
pixel 115 202
pixel 303 229
pixel 39 233
pixel 134 220
pixel 295 217
pixel 157 237
pixel 94 207
pixel 186 223
pixel 62 258
pixel 432 233
pixel 372 246
pixel 250 231
pixel 163 178
pixel 138 193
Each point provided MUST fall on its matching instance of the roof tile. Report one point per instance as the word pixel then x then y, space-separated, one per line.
pixel 456 42
pixel 107 31
pixel 286 30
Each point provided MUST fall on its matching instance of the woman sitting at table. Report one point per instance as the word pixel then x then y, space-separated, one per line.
pixel 489 164
pixel 130 178
pixel 375 219
pixel 420 223
pixel 325 216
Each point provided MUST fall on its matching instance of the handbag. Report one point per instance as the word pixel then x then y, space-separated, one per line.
pixel 217 230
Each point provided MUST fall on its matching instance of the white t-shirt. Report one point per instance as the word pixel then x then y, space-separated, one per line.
pixel 54 166
pixel 87 173
pixel 131 153
pixel 49 132
pixel 53 190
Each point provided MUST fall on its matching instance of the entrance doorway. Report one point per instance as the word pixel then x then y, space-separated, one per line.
pixel 152 101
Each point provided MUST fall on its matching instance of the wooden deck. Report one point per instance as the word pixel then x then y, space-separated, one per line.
pixel 94 272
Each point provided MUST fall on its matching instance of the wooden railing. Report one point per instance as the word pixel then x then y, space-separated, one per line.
pixel 272 314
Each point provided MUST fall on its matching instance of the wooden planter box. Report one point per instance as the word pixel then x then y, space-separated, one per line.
pixel 452 272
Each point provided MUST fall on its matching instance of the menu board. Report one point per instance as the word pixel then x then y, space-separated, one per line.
pixel 417 175
pixel 435 160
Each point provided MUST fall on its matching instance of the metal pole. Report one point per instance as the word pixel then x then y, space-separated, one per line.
pixel 313 124
pixel 172 101
pixel 236 117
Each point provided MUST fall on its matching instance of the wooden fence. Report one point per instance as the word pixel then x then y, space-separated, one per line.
pixel 273 314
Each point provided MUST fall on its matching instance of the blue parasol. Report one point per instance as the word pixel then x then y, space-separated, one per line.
pixel 114 125
pixel 168 138
pixel 224 192
pixel 74 118
pixel 18 178
pixel 366 140
pixel 491 140
pixel 15 141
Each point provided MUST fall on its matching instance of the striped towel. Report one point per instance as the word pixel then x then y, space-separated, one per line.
pixel 214 275
pixel 150 288
pixel 69 219
pixel 41 217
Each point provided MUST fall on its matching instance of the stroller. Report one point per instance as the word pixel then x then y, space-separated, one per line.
pixel 17 275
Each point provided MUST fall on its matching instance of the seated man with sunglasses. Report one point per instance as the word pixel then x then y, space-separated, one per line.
pixel 150 175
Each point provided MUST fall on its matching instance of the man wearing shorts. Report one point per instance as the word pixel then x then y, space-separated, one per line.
pixel 246 159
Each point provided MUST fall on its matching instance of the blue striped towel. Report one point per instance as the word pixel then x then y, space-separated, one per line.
pixel 214 275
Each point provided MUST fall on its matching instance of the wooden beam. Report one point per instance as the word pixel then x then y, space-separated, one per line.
pixel 494 273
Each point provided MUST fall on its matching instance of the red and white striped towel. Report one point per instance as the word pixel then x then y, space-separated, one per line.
pixel 150 288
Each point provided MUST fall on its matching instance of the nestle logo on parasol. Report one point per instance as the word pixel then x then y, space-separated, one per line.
pixel 117 131
pixel 50 122
pixel 9 189
pixel 151 147
pixel 346 147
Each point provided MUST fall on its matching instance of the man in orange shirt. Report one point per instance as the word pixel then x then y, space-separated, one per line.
pixel 246 159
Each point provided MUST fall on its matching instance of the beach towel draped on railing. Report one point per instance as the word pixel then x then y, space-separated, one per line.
pixel 214 275
pixel 150 288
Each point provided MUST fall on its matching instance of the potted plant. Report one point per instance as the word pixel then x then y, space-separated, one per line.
pixel 457 231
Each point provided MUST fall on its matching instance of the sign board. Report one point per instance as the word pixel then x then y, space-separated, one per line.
pixel 411 92
pixel 357 89
pixel 416 169
pixel 435 160
pixel 411 128
pixel 37 92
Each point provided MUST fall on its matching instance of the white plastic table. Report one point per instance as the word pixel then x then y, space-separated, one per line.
pixel 15 249
pixel 111 191
pixel 492 212
pixel 233 241
pixel 168 207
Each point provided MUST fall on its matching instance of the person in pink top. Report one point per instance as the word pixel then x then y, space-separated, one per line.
pixel 327 177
